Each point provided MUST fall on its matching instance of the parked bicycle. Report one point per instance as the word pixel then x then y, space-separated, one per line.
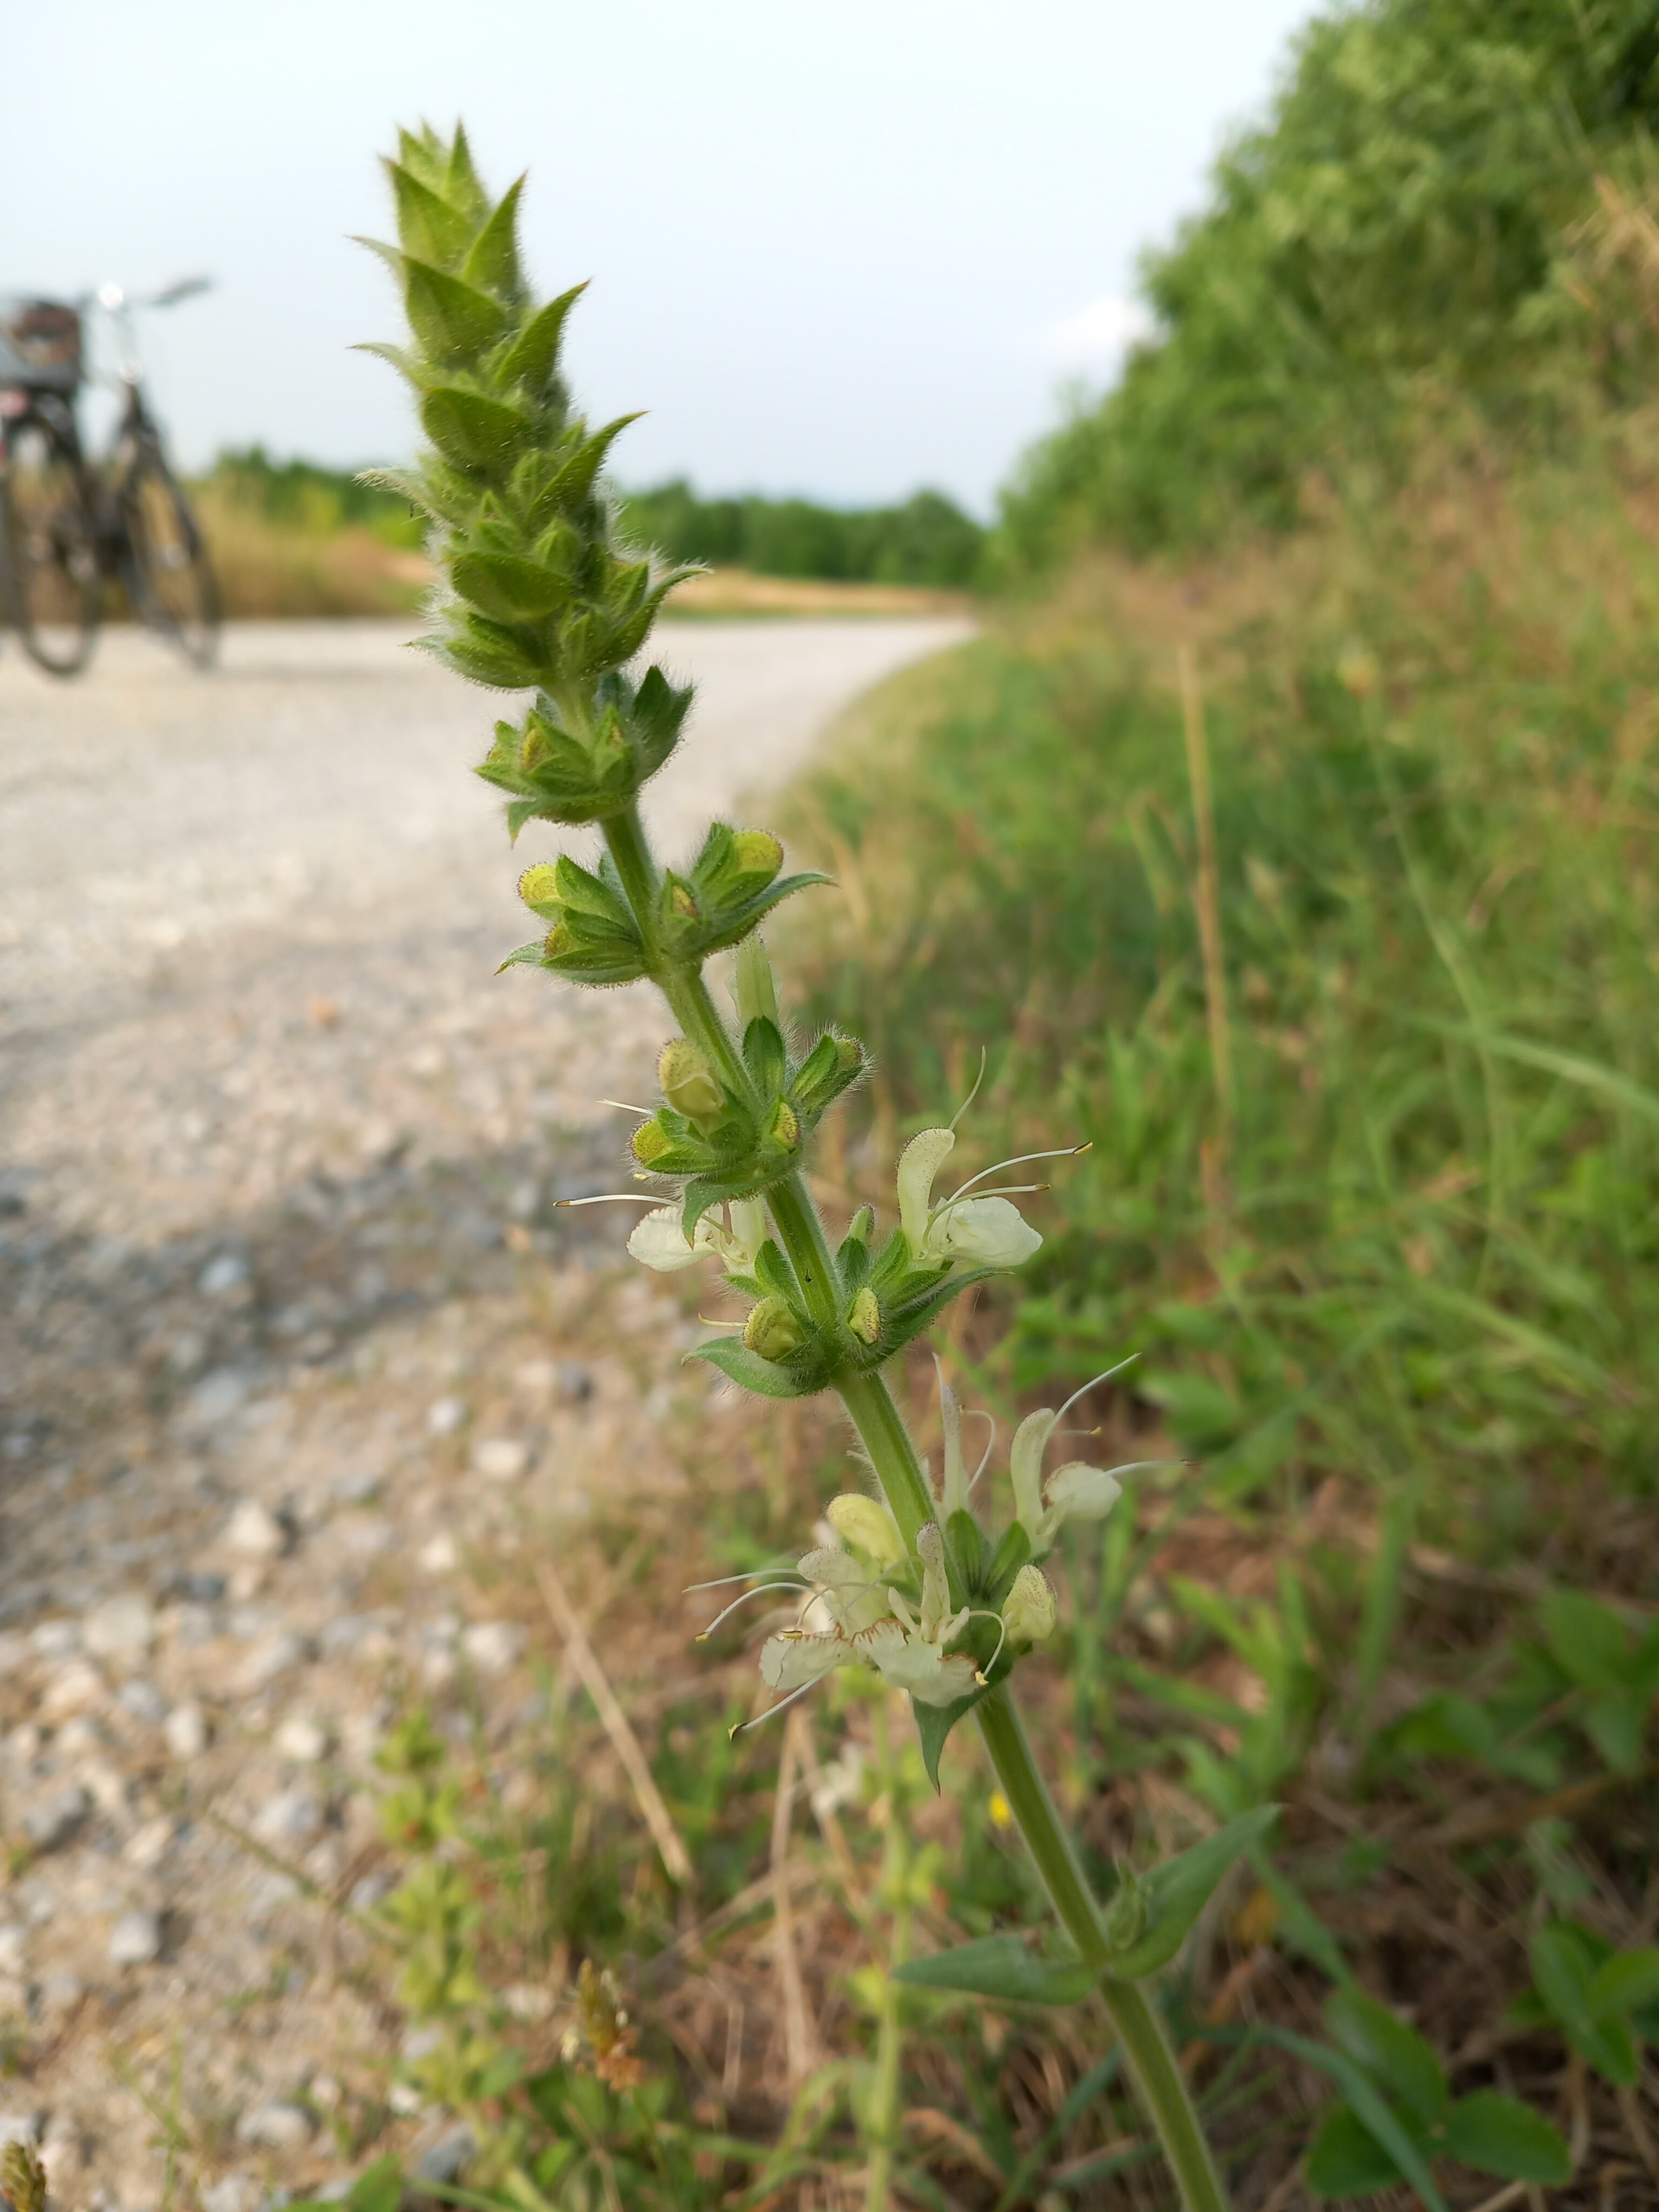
pixel 70 524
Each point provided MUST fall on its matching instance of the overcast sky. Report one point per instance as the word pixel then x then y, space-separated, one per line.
pixel 842 249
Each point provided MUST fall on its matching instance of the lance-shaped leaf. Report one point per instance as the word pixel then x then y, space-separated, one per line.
pixel 1001 1967
pixel 1177 1892
pixel 492 260
pixel 935 1722
pixel 766 1378
pixel 472 431
pixel 453 321
pixel 430 228
pixel 534 353
pixel 1500 2136
pixel 508 588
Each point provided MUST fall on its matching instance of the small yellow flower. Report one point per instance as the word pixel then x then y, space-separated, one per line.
pixel 1002 1812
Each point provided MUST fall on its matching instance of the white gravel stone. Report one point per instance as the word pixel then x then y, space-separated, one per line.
pixel 492 1646
pixel 237 2192
pixel 109 1788
pixel 72 1688
pixel 358 1487
pixel 55 1819
pixel 276 2126
pixel 143 1700
pixel 445 1415
pixel 254 1530
pixel 437 1554
pixel 13 1943
pixel 14 1651
pixel 271 1656
pixel 136 1940
pixel 292 1816
pixel 55 1639
pixel 17 2127
pixel 301 1738
pixel 121 1628
pixel 224 1272
pixel 185 1730
pixel 147 1846
pixel 499 1459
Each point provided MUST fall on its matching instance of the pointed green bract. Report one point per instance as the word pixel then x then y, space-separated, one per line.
pixel 1002 1966
pixel 1177 1892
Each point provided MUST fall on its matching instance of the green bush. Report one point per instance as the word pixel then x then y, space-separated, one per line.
pixel 926 541
pixel 1399 243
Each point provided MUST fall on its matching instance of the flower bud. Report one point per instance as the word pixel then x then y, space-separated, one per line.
pixel 772 1329
pixel 784 1127
pixel 756 852
pixel 866 1524
pixel 688 1081
pixel 650 1141
pixel 538 887
pixel 864 1319
pixel 1029 1612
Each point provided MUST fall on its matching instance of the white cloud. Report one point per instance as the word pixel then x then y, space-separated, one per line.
pixel 1098 336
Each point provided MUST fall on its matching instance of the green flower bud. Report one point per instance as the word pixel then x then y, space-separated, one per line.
pixel 756 852
pixel 688 1081
pixel 1029 1614
pixel 866 1524
pixel 784 1128
pixel 538 887
pixel 651 1141
pixel 772 1329
pixel 864 1319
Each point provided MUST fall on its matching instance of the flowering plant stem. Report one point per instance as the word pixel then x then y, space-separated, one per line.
pixel 544 592
pixel 881 1430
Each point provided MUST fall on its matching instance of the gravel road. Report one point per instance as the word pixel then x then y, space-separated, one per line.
pixel 289 1324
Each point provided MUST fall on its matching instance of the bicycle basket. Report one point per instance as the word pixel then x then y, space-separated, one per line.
pixel 40 345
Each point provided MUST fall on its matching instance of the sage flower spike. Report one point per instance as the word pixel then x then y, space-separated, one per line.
pixel 989 1232
pixel 659 1242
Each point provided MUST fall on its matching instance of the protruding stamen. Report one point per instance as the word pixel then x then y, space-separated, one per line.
pixel 732 1733
pixel 762 1590
pixel 1087 1386
pixel 614 1198
pixel 1063 1153
pixel 984 1058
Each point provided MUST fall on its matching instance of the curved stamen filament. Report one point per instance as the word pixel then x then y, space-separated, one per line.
pixel 1002 1190
pixel 762 1590
pixel 1084 1390
pixel 622 1106
pixel 771 1710
pixel 981 1674
pixel 984 1413
pixel 614 1198
pixel 984 1059
pixel 1020 1159
pixel 725 1582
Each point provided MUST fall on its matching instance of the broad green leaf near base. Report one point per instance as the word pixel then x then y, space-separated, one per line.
pixel 1177 1892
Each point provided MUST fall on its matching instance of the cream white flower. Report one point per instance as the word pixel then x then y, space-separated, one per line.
pixel 868 1525
pixel 988 1231
pixel 909 1651
pixel 659 1242
pixel 1075 1492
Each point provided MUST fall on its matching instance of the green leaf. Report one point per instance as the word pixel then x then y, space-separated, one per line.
pixel 765 1377
pixel 1618 1727
pixel 454 321
pixel 966 1548
pixel 1623 1983
pixel 493 261
pixel 762 1054
pixel 1403 2143
pixel 1346 2159
pixel 1565 1960
pixel 469 429
pixel 1395 2055
pixel 535 352
pixel 506 588
pixel 1177 1892
pixel 1002 1966
pixel 934 1725
pixel 1499 2135
pixel 429 227
pixel 1588 1640
pixel 1010 1556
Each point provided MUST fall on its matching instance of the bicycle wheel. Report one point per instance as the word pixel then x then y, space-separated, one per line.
pixel 53 593
pixel 165 566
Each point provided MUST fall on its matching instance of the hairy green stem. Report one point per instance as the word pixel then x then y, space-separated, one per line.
pixel 1157 2077
pixel 884 1437
pixel 624 834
